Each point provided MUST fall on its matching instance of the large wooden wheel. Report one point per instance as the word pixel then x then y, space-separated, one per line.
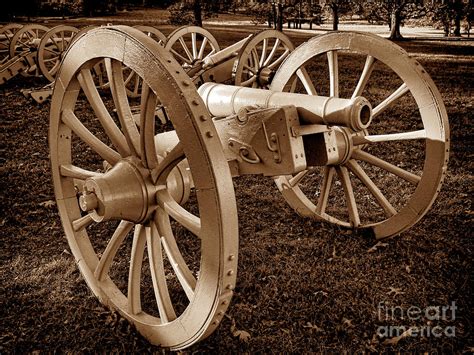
pixel 27 38
pixel 6 34
pixel 190 45
pixel 260 58
pixel 388 175
pixel 133 83
pixel 51 48
pixel 118 197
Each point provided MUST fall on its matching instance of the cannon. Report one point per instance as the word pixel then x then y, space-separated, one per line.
pixel 250 62
pixel 148 207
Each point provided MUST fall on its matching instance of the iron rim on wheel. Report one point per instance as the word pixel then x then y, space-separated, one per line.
pixel 122 179
pixel 426 136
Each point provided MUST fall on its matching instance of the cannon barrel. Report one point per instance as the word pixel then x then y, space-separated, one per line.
pixel 225 100
pixel 224 54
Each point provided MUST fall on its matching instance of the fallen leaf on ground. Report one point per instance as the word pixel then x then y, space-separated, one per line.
pixel 313 326
pixel 49 203
pixel 376 246
pixel 241 334
pixel 395 291
pixel 394 341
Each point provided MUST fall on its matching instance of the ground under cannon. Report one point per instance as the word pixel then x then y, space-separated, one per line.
pixel 148 205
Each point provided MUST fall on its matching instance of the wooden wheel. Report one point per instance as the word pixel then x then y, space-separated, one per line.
pixel 260 57
pixel 388 175
pixel 190 45
pixel 133 83
pixel 27 38
pixel 6 34
pixel 117 196
pixel 51 48
pixel 152 32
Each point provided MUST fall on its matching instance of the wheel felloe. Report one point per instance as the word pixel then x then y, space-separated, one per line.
pixel 172 279
pixel 367 175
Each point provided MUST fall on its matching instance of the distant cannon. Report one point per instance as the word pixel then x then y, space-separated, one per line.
pixel 328 144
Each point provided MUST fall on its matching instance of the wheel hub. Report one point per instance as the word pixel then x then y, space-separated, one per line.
pixel 265 76
pixel 124 192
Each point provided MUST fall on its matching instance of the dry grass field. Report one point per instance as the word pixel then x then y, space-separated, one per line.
pixel 302 285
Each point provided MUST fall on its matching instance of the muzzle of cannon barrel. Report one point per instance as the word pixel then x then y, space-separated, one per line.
pixel 225 100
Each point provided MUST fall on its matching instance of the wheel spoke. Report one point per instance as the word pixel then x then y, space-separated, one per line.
pixel 82 222
pixel 250 81
pixel 134 276
pixel 194 44
pixel 264 52
pixel 333 73
pixel 50 50
pixel 113 132
pixel 421 134
pixel 177 55
pixel 119 94
pixel 158 277
pixel 202 48
pixel 280 59
pixel 75 172
pixel 161 172
pixel 186 49
pixel 272 53
pixel 136 85
pixel 374 190
pixel 107 153
pixel 364 78
pixel 371 159
pixel 110 251
pixel 306 81
pixel 343 174
pixel 184 275
pixel 189 221
pixel 328 176
pixel 389 101
pixel 252 70
pixel 295 180
pixel 147 126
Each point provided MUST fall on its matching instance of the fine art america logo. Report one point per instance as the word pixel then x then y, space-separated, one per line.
pixel 433 318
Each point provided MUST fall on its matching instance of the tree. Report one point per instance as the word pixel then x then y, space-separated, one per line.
pixel 449 15
pixel 394 13
pixel 338 7
pixel 195 11
pixel 469 10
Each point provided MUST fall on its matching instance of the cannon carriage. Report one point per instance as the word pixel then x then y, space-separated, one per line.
pixel 149 204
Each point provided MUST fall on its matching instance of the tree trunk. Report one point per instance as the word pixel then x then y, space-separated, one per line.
pixel 197 9
pixel 280 17
pixel 457 25
pixel 458 8
pixel 335 17
pixel 395 23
